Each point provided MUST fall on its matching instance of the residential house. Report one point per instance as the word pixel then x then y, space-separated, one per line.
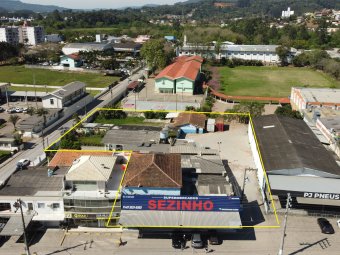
pixel 153 174
pixel 9 143
pixel 91 185
pixel 53 38
pixel 72 61
pixel 190 123
pixel 64 96
pixel 40 190
pixel 183 76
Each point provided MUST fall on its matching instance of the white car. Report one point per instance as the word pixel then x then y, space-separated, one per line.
pixel 23 163
pixel 18 110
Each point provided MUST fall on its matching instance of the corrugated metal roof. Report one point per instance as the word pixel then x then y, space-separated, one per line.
pixel 14 226
pixel 91 168
pixel 211 164
pixel 179 218
pixel 192 150
pixel 68 89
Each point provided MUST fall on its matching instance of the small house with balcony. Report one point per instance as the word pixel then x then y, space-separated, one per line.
pixel 64 96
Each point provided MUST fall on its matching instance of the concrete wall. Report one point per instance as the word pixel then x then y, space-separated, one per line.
pixel 41 205
pixel 258 164
pixel 57 102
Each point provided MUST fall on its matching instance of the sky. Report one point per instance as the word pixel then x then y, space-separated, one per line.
pixel 94 4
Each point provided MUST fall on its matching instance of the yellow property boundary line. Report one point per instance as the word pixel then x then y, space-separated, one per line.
pixel 48 149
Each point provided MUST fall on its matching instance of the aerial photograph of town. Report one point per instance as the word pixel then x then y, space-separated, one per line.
pixel 156 127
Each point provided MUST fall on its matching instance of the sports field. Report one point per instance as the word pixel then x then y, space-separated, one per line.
pixel 22 75
pixel 271 81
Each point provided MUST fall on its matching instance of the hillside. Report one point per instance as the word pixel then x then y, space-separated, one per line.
pixel 17 5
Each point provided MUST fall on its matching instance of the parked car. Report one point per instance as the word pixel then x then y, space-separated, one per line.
pixel 2 109
pixel 24 110
pixel 11 110
pixel 18 109
pixel 23 163
pixel 177 241
pixel 325 226
pixel 196 241
pixel 214 239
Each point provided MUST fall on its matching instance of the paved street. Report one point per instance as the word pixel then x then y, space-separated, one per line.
pixel 303 237
pixel 35 151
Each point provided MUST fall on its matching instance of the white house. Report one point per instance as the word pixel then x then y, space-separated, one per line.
pixel 64 96
pixel 41 196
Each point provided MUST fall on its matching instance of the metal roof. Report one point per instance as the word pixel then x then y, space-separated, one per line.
pixel 178 218
pixel 192 150
pixel 213 185
pixel 250 48
pixel 91 168
pixel 88 46
pixel 68 89
pixel 322 95
pixel 32 181
pixel 211 164
pixel 286 143
pixel 14 226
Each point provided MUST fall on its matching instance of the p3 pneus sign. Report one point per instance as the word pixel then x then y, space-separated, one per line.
pixel 180 203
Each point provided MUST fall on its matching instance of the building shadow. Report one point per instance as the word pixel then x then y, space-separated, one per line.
pixel 324 244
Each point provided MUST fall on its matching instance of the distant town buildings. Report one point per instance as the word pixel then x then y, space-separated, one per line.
pixel 53 38
pixel 288 13
pixel 228 50
pixel 9 34
pixel 23 34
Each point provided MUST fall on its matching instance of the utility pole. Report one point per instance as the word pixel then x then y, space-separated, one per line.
pixel 288 205
pixel 18 205
pixel 9 84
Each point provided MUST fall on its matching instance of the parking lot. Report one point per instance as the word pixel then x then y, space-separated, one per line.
pixel 303 236
pixel 8 127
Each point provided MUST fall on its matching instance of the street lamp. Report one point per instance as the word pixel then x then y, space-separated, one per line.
pixel 18 205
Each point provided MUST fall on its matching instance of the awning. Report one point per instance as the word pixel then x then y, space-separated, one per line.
pixel 144 218
pixel 49 217
pixel 14 226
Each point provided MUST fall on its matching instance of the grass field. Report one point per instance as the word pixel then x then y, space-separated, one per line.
pixel 22 75
pixel 271 81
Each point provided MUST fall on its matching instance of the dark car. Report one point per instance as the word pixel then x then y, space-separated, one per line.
pixel 325 226
pixel 178 241
pixel 214 239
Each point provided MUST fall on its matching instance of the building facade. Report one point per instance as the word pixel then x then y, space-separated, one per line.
pixel 9 35
pixel 308 98
pixel 64 96
pixel 181 77
pixel 31 35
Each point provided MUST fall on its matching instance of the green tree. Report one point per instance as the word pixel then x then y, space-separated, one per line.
pixel 14 120
pixel 154 54
pixel 287 110
pixel 282 52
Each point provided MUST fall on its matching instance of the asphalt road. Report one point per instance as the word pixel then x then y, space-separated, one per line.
pixel 35 150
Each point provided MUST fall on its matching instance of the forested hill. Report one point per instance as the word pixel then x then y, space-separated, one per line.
pixel 16 5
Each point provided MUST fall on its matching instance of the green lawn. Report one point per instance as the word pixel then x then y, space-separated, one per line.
pixel 271 81
pixel 92 140
pixel 22 75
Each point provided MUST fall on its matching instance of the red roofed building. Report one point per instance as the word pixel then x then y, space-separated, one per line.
pixel 183 76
